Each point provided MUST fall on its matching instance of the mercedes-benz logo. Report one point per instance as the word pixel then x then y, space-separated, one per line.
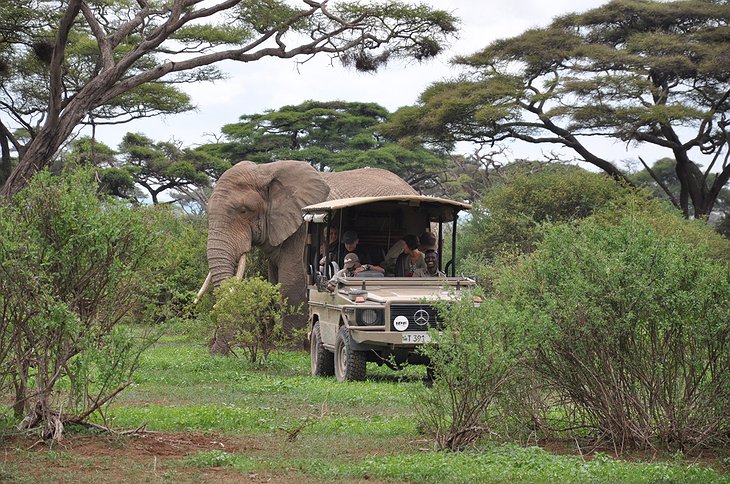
pixel 421 317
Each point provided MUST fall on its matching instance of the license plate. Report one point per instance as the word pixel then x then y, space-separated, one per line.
pixel 416 338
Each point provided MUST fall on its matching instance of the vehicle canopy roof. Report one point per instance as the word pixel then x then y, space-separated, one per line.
pixel 438 209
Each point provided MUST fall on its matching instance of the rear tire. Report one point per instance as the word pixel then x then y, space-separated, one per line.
pixel 350 365
pixel 322 361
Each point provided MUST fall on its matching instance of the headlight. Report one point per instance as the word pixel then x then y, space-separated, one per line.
pixel 369 317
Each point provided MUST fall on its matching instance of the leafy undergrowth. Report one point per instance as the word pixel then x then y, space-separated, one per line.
pixel 216 419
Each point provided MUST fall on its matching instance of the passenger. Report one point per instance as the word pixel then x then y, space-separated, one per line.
pixel 392 256
pixel 431 257
pixel 427 241
pixel 334 245
pixel 410 259
pixel 353 268
pixel 351 243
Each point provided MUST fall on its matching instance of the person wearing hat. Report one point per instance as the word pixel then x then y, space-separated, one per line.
pixel 351 244
pixel 353 268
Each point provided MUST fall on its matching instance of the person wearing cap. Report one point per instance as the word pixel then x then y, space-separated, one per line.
pixel 353 268
pixel 351 244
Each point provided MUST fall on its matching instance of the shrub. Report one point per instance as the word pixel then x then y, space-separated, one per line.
pixel 72 267
pixel 251 313
pixel 629 326
pixel 471 359
pixel 509 216
pixel 182 265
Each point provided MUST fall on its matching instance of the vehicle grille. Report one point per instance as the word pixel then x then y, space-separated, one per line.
pixel 410 310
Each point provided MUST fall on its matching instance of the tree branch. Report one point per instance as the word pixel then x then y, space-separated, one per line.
pixel 59 49
pixel 660 183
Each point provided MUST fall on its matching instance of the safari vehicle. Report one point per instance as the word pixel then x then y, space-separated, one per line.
pixel 383 320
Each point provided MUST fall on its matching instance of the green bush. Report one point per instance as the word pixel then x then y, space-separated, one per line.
pixel 182 265
pixel 72 267
pixel 508 217
pixel 471 360
pixel 629 327
pixel 250 313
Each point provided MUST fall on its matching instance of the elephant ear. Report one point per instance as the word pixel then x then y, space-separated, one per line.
pixel 292 186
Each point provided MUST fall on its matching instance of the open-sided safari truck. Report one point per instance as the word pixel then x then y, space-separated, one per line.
pixel 355 319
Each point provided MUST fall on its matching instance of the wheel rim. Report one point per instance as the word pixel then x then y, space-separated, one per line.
pixel 313 342
pixel 341 361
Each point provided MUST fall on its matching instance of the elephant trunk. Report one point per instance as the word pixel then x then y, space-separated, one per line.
pixel 226 256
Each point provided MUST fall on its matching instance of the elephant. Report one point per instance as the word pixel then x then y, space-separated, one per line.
pixel 261 205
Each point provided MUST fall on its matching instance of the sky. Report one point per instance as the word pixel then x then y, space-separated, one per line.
pixel 272 83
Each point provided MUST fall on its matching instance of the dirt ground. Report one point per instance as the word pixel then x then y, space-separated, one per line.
pixel 161 457
pixel 142 457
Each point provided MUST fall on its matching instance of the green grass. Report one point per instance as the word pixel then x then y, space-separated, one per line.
pixel 343 432
pixel 505 463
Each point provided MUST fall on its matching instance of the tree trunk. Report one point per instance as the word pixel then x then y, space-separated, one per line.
pixel 41 150
pixel 5 159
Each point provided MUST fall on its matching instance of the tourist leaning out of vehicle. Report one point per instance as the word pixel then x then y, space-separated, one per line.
pixel 431 257
pixel 353 268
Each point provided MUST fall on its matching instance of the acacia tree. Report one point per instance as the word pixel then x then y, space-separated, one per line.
pixel 27 32
pixel 143 168
pixel 133 44
pixel 330 135
pixel 166 167
pixel 633 70
pixel 661 178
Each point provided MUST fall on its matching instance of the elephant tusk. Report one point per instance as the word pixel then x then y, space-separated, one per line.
pixel 203 288
pixel 241 267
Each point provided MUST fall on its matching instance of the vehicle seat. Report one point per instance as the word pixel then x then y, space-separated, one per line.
pixel 400 266
pixel 369 274
pixel 334 268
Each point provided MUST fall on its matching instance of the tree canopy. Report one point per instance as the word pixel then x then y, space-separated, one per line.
pixel 114 61
pixel 638 71
pixel 143 168
pixel 330 135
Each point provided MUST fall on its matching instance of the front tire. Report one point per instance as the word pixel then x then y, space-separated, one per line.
pixel 349 364
pixel 322 361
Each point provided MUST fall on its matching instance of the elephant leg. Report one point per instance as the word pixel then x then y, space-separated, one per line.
pixel 273 274
pixel 291 276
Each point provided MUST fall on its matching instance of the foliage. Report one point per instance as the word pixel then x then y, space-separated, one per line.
pixel 144 168
pixel 629 328
pixel 334 136
pixel 360 431
pixel 662 179
pixel 471 359
pixel 72 266
pixel 252 312
pixel 181 266
pixel 167 167
pixel 110 62
pixel 635 71
pixel 509 216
